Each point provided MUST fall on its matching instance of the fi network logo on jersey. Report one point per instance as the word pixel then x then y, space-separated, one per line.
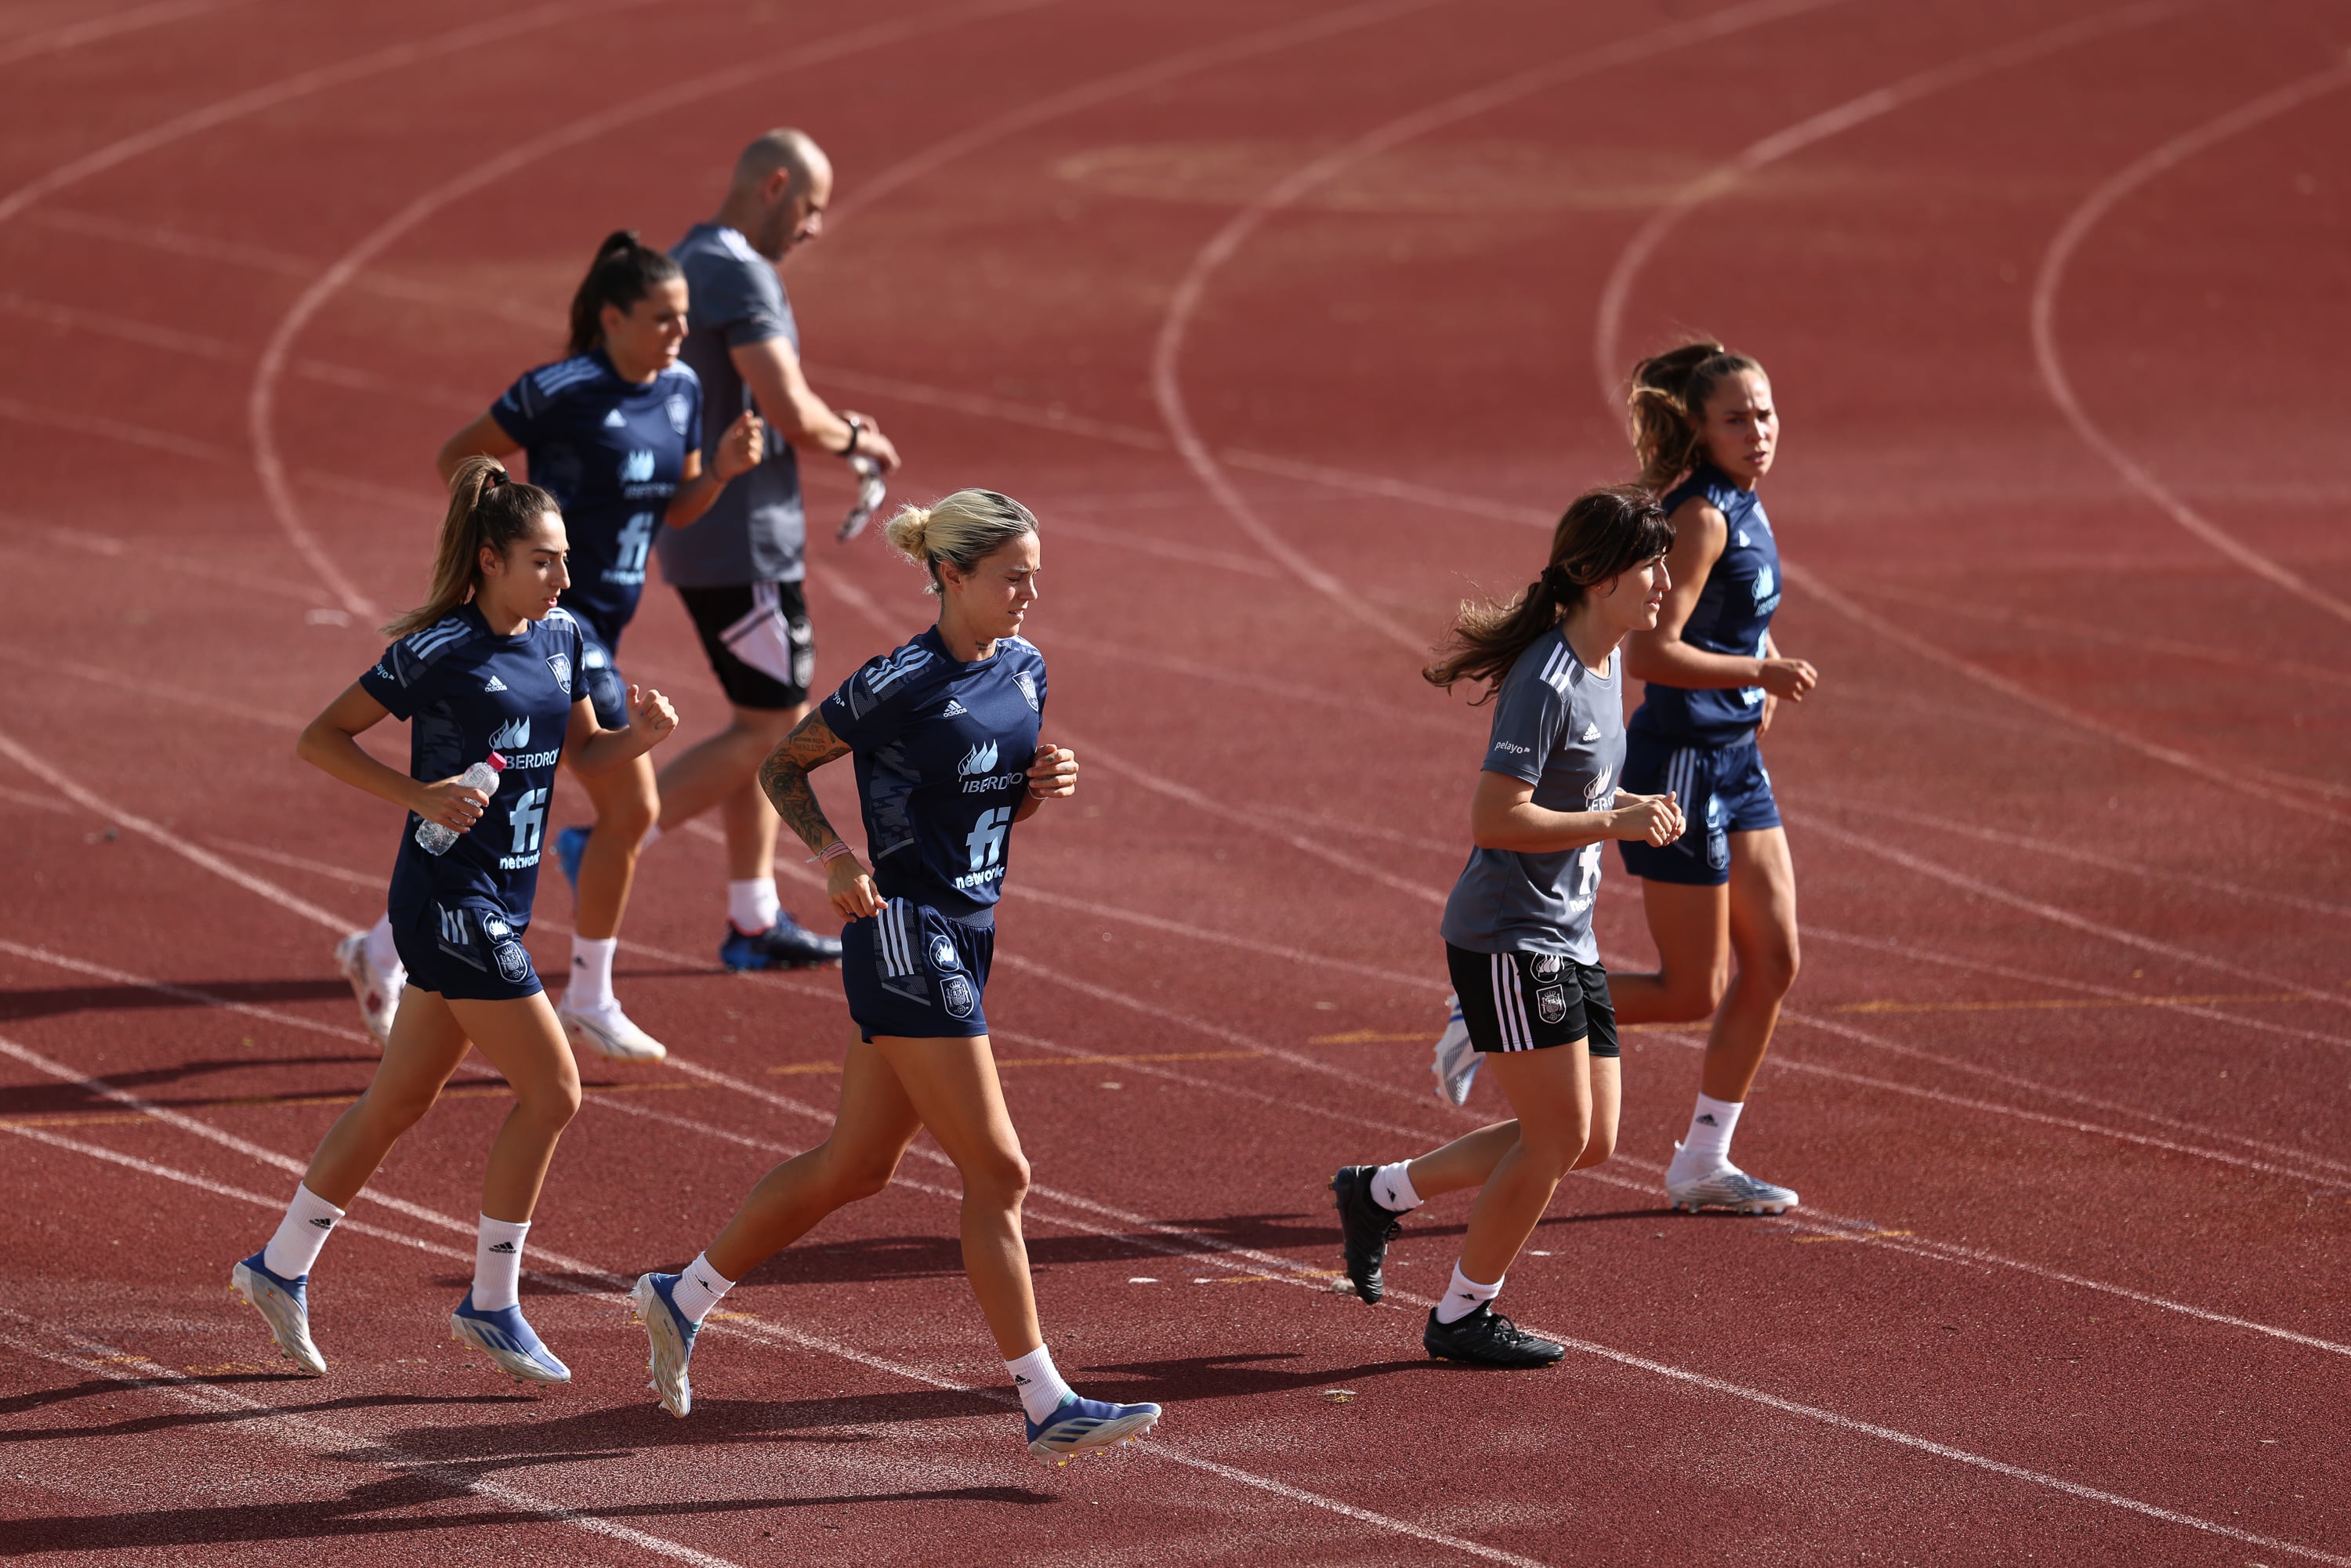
pixel 980 759
pixel 637 468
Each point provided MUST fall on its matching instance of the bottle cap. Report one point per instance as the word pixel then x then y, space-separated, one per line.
pixel 498 764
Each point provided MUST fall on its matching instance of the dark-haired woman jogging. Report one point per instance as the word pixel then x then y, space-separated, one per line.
pixel 486 669
pixel 1517 927
pixel 614 433
pixel 1704 423
pixel 943 732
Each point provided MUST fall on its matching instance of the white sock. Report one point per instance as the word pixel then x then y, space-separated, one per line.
pixel 1038 1383
pixel 752 905
pixel 382 953
pixel 1708 1146
pixel 308 1221
pixel 591 973
pixel 1392 1189
pixel 699 1287
pixel 497 1263
pixel 1465 1296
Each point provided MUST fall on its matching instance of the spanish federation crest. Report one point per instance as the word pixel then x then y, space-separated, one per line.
pixel 1551 1003
pixel 1027 689
pixel 681 412
pixel 955 994
pixel 561 664
pixel 514 964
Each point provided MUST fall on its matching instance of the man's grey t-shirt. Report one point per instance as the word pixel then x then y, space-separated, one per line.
pixel 755 531
pixel 1561 728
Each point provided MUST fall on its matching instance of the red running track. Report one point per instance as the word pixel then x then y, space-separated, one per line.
pixel 1288 326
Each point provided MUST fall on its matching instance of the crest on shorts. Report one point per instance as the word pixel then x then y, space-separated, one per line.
pixel 1550 1004
pixel 560 664
pixel 514 964
pixel 1547 965
pixel 956 992
pixel 943 954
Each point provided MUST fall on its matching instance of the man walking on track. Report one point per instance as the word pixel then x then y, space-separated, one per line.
pixel 740 566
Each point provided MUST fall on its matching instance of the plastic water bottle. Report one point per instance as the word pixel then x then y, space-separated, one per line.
pixel 431 837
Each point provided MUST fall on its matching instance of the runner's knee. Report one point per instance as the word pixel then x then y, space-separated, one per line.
pixel 1000 1178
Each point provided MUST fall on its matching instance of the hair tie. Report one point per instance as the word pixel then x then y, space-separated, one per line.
pixel 493 478
pixel 1556 580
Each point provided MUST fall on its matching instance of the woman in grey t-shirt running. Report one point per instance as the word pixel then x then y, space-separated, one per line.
pixel 1517 927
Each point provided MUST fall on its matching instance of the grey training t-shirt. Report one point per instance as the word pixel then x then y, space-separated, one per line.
pixel 1561 728
pixel 755 531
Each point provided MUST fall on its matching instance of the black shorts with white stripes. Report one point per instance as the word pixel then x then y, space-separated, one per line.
pixel 1530 1001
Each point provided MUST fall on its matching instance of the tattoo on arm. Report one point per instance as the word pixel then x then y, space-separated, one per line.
pixel 784 778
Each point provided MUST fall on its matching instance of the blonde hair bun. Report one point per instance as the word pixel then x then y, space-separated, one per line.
pixel 908 532
pixel 961 529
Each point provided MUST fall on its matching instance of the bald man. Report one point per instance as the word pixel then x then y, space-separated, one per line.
pixel 740 566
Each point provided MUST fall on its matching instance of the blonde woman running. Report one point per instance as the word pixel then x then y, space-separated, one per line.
pixel 944 734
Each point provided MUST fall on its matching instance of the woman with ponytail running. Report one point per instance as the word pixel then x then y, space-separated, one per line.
pixel 486 672
pixel 944 734
pixel 1704 423
pixel 614 433
pixel 1517 927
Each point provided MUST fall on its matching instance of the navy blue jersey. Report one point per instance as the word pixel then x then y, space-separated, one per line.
pixel 943 751
pixel 1733 616
pixel 467 692
pixel 611 453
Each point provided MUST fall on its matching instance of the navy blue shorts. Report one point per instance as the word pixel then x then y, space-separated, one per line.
pixel 600 677
pixel 465 949
pixel 913 974
pixel 1724 789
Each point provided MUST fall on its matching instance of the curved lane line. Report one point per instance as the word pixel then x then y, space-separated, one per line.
pixel 1166 383
pixel 261 401
pixel 134 20
pixel 2050 281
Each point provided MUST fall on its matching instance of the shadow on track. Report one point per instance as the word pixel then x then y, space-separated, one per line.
pixel 53 1001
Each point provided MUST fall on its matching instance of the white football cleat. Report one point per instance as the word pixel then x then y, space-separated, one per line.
pixel 1456 1059
pixel 607 1031
pixel 377 991
pixel 1728 1188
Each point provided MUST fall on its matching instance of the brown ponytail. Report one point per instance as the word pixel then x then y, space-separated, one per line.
pixel 1668 402
pixel 486 509
pixel 622 272
pixel 1605 532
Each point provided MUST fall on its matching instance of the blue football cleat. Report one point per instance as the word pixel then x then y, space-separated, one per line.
pixel 1087 1426
pixel 505 1338
pixel 671 1332
pixel 285 1307
pixel 569 845
pixel 786 945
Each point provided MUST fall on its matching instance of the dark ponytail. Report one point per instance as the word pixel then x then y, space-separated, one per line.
pixel 486 507
pixel 1668 401
pixel 1605 532
pixel 622 272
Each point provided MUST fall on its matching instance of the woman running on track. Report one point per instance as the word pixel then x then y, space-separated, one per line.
pixel 1704 416
pixel 944 736
pixel 1517 927
pixel 487 668
pixel 614 433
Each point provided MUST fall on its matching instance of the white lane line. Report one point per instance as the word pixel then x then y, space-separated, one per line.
pixel 583 1278
pixel 2067 918
pixel 261 400
pixel 1835 1420
pixel 1166 381
pixel 131 19
pixel 2204 882
pixel 1607 338
pixel 2049 282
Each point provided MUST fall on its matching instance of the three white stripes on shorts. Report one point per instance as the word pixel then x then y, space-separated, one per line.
pixel 898 928
pixel 1510 1003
